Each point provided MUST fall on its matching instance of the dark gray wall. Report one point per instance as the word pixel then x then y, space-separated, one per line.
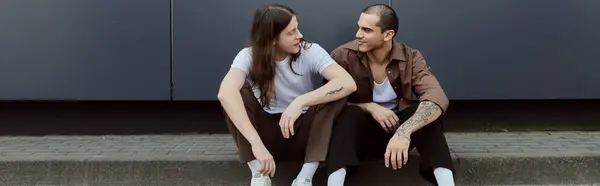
pixel 208 35
pixel 494 49
pixel 508 49
pixel 120 49
pixel 84 50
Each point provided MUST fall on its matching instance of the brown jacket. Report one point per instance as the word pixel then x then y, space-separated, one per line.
pixel 407 72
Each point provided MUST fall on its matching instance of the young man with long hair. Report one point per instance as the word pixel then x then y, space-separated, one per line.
pixel 275 110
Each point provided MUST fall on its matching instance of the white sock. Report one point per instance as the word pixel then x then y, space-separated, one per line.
pixel 337 178
pixel 254 165
pixel 308 170
pixel 443 176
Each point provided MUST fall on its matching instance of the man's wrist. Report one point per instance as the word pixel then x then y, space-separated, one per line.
pixel 256 143
pixel 301 101
pixel 368 106
pixel 254 140
pixel 402 133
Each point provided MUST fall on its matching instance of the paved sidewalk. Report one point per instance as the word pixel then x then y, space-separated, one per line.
pixel 221 147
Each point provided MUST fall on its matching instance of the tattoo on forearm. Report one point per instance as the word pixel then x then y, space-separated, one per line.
pixel 426 112
pixel 335 91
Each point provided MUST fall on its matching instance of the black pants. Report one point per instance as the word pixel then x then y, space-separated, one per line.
pixel 357 136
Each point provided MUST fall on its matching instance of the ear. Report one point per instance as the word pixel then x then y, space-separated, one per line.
pixel 388 35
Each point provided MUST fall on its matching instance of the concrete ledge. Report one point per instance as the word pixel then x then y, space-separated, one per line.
pixel 176 117
pixel 469 171
pixel 531 158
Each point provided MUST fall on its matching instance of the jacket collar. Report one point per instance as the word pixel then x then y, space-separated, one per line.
pixel 397 52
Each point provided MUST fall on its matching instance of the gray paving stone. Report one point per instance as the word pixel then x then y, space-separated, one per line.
pixel 197 150
pixel 589 141
pixel 523 144
pixel 221 152
pixel 474 146
pixel 104 149
pixel 170 150
pixel 570 139
pixel 15 154
pixel 582 146
pixel 550 150
pixel 229 148
pixel 127 150
pixel 213 148
pixel 177 153
pixel 49 154
pixel 70 151
pixel 510 146
pixel 565 143
pixel 83 153
pixel 546 146
pixel 38 150
pixel 495 150
pixel 469 150
pixel 118 153
pixel 573 149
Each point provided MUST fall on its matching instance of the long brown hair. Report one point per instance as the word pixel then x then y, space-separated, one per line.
pixel 268 22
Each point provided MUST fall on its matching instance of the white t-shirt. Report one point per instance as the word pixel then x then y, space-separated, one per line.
pixel 310 64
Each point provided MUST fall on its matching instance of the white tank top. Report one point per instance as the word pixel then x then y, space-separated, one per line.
pixel 384 95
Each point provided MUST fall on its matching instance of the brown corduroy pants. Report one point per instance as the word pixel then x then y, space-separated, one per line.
pixel 312 131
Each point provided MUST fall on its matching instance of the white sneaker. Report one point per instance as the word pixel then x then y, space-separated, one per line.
pixel 301 182
pixel 258 180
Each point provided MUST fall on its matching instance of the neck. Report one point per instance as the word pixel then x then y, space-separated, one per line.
pixel 380 55
pixel 280 56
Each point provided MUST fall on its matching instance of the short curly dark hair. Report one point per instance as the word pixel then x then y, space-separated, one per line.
pixel 388 20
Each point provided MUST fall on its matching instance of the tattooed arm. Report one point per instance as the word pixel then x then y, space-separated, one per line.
pixel 426 113
pixel 340 84
pixel 434 101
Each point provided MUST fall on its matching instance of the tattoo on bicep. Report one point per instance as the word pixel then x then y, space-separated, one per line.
pixel 424 113
pixel 335 91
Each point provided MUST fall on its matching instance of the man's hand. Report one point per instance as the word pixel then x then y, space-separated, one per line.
pixel 267 163
pixel 289 117
pixel 384 116
pixel 397 151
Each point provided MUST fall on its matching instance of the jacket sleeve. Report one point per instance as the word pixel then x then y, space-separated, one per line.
pixel 425 85
pixel 338 56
